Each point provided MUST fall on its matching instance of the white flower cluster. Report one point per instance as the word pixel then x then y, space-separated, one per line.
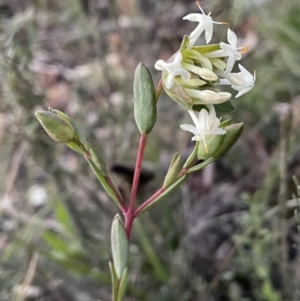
pixel 194 74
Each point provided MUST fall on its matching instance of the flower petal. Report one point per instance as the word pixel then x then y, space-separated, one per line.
pixel 189 128
pixel 232 38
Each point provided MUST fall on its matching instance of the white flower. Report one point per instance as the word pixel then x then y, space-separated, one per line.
pixel 242 81
pixel 207 97
pixel 230 50
pixel 248 83
pixel 205 24
pixel 171 69
pixel 205 124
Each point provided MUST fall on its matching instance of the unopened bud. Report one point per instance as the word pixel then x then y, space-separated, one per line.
pixel 58 128
pixel 234 131
pixel 218 64
pixel 174 168
pixel 213 144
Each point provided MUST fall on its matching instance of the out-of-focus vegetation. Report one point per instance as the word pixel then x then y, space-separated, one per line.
pixel 230 233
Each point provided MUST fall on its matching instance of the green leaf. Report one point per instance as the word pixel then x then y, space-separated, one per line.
pixel 221 109
pixel 55 242
pixel 63 217
pixel 192 156
pixel 144 99
pixel 225 123
pixel 97 158
pixel 76 146
pixel 79 134
pixel 107 183
pixel 224 108
pixel 123 285
pixel 202 165
pixel 114 281
pixel 119 246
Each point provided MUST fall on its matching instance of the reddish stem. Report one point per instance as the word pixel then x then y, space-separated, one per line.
pixel 139 210
pixel 129 215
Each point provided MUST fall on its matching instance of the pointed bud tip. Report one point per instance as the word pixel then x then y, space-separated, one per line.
pixel 57 127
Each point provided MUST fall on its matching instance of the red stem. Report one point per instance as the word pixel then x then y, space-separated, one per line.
pixel 139 210
pixel 129 215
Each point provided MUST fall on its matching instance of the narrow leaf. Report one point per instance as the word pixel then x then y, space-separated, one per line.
pixel 202 165
pixel 107 183
pixel 144 99
pixel 114 281
pixel 224 108
pixel 123 285
pixel 119 246
pixel 63 217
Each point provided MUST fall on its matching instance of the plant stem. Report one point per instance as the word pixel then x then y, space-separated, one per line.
pixel 139 210
pixel 129 215
pixel 149 201
pixel 158 90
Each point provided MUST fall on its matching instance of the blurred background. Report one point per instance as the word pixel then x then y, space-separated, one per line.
pixel 229 233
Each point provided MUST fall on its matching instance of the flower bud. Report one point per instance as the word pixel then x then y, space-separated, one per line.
pixel 218 64
pixel 219 145
pixel 58 128
pixel 174 168
pixel 214 143
pixel 234 131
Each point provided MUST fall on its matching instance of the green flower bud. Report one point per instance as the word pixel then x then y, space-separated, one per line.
pixel 57 127
pixel 214 143
pixel 218 64
pixel 218 146
pixel 234 131
pixel 174 168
